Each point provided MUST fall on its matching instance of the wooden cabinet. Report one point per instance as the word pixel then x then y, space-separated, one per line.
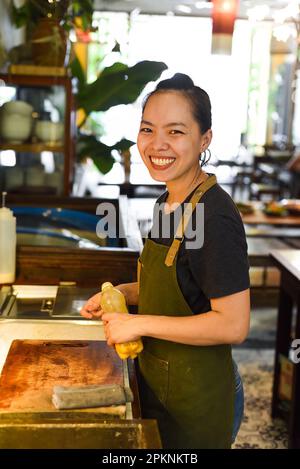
pixel 39 165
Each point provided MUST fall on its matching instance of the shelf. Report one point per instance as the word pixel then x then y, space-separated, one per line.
pixel 35 80
pixel 33 85
pixel 25 69
pixel 32 147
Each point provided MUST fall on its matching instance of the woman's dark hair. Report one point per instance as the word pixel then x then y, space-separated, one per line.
pixel 198 98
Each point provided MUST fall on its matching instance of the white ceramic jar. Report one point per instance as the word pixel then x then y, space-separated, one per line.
pixel 16 121
pixel 15 128
pixel 17 107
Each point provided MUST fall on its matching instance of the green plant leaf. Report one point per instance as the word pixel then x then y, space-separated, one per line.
pixel 118 85
pixel 78 72
pixel 123 145
pixel 117 47
pixel 114 68
pixel 20 16
pixel 101 154
pixel 104 164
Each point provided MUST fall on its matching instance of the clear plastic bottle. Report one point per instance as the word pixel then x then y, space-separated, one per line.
pixel 113 301
pixel 7 244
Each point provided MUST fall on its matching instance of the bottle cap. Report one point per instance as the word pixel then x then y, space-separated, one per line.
pixel 106 285
pixel 4 211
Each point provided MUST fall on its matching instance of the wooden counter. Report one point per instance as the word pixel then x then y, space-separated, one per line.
pixel 51 265
pixel 28 417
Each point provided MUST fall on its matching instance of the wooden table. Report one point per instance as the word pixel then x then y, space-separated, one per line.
pixel 288 262
pixel 260 218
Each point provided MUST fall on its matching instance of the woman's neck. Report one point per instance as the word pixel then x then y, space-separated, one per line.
pixel 177 192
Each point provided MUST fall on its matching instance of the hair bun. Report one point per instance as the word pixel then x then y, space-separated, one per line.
pixel 179 81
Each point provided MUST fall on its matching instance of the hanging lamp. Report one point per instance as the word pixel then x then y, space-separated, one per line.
pixel 224 13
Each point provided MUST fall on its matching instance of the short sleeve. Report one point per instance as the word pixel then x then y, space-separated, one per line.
pixel 220 267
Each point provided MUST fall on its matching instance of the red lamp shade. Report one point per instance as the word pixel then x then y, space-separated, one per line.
pixel 223 16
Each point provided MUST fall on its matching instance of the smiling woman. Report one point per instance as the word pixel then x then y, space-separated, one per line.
pixel 193 300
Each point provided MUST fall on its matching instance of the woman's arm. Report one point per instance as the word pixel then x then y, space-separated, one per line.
pixel 226 323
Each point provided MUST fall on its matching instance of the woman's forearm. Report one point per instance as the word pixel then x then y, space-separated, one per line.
pixel 130 291
pixel 211 328
pixel 226 323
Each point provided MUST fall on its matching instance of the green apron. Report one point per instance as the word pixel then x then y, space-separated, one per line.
pixel 188 389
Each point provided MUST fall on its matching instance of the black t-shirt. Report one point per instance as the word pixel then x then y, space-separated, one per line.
pixel 218 268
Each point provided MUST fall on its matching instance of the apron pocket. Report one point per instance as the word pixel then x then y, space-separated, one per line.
pixel 156 374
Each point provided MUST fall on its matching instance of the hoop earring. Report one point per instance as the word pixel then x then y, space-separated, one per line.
pixel 204 157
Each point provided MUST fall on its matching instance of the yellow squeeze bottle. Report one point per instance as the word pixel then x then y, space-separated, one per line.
pixel 113 301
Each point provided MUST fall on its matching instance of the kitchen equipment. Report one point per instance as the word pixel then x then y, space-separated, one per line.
pixel 94 395
pixel 43 302
pixel 75 430
pixel 33 367
pixel 7 244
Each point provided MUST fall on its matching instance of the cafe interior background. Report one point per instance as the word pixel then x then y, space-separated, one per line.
pixel 68 122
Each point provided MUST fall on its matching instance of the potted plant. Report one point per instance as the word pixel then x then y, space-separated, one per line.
pixel 48 24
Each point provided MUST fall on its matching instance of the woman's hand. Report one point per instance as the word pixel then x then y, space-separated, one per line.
pixel 120 328
pixel 92 308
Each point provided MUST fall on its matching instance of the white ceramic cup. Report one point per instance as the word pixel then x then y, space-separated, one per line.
pixel 49 132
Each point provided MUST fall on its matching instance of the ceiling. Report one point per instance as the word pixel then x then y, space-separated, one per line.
pixel 165 6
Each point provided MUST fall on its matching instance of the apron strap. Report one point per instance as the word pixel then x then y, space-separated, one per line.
pixel 199 192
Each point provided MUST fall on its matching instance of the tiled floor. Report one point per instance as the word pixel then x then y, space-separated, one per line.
pixel 255 358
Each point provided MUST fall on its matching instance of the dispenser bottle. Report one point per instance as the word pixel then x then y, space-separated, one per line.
pixel 7 244
pixel 113 301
